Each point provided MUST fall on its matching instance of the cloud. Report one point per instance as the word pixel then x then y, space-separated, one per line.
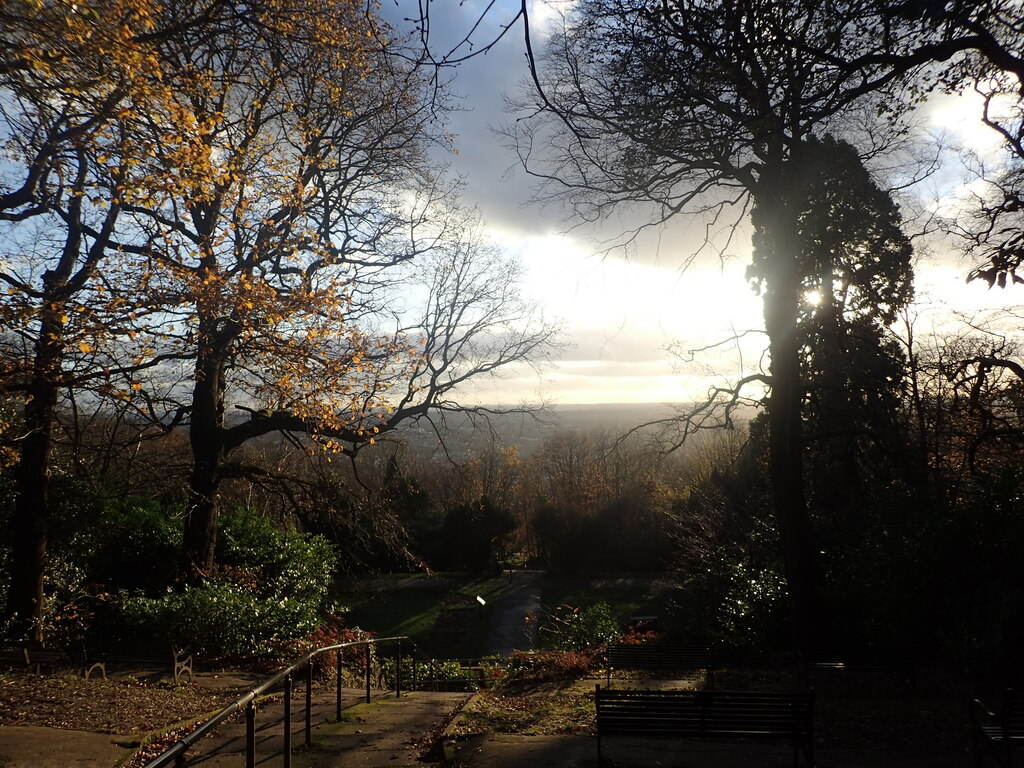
pixel 960 116
pixel 619 313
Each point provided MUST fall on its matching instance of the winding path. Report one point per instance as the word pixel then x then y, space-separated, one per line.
pixel 510 629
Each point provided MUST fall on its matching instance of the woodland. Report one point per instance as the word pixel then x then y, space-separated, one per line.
pixel 237 282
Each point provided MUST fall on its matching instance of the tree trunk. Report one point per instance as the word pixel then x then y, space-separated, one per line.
pixel 206 437
pixel 31 518
pixel 781 307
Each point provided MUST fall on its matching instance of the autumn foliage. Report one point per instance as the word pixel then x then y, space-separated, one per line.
pixel 213 208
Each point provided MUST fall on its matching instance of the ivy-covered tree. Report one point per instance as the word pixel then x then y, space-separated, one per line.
pixel 702 109
pixel 856 277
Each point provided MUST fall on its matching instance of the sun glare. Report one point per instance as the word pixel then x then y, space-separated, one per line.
pixel 621 317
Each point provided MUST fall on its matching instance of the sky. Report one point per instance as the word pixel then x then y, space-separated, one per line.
pixel 630 321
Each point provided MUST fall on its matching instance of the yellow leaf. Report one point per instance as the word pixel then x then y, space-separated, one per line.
pixel 84 348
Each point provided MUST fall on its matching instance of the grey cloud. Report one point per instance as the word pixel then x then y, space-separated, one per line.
pixel 609 346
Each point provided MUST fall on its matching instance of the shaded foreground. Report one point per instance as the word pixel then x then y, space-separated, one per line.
pixel 852 728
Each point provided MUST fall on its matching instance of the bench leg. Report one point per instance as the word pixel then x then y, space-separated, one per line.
pixel 182 667
pixel 1000 753
pixel 807 747
pixel 101 666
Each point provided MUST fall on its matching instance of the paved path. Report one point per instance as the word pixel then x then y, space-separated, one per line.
pixel 509 751
pixel 382 734
pixel 510 629
pixel 27 746
pixel 390 733
pixel 385 734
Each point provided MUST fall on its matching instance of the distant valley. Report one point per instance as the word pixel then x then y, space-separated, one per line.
pixel 528 431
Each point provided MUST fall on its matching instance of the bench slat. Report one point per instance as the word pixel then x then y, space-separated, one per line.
pixel 865 660
pixel 647 656
pixel 726 714
pixel 999 732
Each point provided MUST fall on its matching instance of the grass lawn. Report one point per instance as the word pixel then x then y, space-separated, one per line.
pixel 639 595
pixel 440 613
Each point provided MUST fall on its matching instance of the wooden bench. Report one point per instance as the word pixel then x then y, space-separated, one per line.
pixel 33 658
pixel 860 661
pixel 701 714
pixel 998 732
pixel 657 656
pixel 140 655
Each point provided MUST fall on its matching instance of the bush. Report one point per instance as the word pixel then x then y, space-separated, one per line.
pixel 573 629
pixel 283 564
pixel 550 666
pixel 271 587
pixel 220 618
pixel 324 665
pixel 135 547
pixel 445 675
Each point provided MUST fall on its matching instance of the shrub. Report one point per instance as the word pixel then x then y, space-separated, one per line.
pixel 134 546
pixel 285 564
pixel 549 666
pixel 330 633
pixel 220 618
pixel 568 628
pixel 446 675
pixel 271 587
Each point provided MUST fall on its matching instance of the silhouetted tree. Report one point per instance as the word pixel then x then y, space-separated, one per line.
pixel 856 278
pixel 473 535
pixel 703 108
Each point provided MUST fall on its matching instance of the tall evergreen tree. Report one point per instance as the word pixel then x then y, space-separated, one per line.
pixel 856 275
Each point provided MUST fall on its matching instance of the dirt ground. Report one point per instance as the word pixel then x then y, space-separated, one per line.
pixel 123 706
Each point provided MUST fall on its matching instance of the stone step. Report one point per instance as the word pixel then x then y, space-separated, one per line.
pixel 388 731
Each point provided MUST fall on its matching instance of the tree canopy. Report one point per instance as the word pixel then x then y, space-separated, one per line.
pixel 229 223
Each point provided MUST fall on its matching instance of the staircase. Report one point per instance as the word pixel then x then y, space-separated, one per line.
pixel 388 732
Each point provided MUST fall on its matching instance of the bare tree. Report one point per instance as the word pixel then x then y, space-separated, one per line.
pixel 699 108
pixel 696 108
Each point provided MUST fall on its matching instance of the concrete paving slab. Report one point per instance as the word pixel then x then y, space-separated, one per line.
pixel 26 746
pixel 509 751
pixel 383 733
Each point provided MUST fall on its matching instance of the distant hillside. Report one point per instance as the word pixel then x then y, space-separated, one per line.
pixel 527 432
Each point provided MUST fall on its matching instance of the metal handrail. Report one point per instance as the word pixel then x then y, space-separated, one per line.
pixel 176 752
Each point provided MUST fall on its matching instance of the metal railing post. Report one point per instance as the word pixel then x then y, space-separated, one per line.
pixel 339 652
pixel 367 673
pixel 176 754
pixel 309 703
pixel 398 669
pixel 250 735
pixel 287 721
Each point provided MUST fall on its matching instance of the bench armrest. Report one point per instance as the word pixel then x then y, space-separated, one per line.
pixel 980 711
